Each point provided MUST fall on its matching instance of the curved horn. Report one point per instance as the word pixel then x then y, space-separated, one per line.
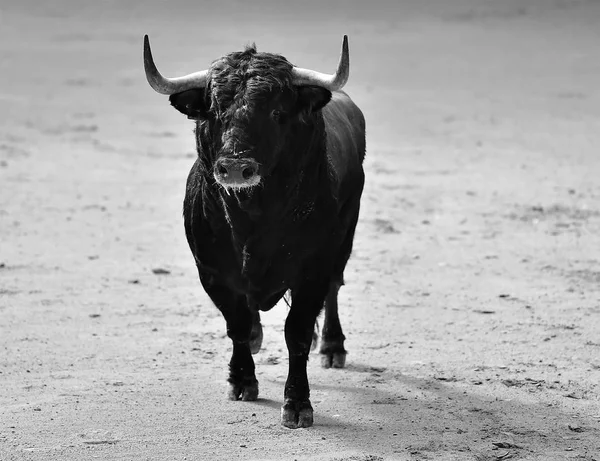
pixel 330 81
pixel 164 85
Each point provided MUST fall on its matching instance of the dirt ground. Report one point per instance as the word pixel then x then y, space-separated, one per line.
pixel 472 304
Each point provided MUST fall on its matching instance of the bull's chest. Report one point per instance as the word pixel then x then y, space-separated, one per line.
pixel 266 245
pixel 271 259
pixel 270 262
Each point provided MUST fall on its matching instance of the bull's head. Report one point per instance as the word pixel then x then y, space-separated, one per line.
pixel 247 106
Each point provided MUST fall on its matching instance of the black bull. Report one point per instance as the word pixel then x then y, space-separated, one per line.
pixel 271 204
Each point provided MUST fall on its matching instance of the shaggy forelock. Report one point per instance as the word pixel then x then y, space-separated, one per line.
pixel 244 78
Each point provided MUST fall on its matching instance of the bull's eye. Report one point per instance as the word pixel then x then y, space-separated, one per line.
pixel 278 116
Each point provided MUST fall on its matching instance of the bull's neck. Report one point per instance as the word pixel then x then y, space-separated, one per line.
pixel 264 219
pixel 303 163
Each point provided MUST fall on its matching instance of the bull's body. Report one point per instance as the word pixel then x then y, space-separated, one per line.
pixel 293 231
pixel 262 245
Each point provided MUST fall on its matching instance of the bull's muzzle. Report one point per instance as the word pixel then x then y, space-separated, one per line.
pixel 236 173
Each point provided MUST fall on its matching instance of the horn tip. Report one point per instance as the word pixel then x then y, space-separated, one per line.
pixel 345 46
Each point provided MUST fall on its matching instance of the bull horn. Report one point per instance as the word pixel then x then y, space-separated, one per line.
pixel 330 81
pixel 164 85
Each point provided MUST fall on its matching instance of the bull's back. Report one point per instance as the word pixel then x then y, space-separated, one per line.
pixel 345 127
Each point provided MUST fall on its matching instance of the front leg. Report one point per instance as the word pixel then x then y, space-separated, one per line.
pixel 242 379
pixel 307 302
pixel 239 318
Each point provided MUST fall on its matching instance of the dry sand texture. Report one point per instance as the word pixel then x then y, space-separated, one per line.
pixel 472 305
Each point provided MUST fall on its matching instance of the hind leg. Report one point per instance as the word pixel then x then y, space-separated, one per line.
pixel 333 353
pixel 256 335
pixel 332 349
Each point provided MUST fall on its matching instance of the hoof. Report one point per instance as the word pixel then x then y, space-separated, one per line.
pixel 256 338
pixel 333 359
pixel 247 392
pixel 295 415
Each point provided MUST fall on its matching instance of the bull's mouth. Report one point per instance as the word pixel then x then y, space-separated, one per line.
pixel 236 174
pixel 230 184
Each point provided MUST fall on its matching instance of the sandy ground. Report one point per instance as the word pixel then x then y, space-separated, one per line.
pixel 472 305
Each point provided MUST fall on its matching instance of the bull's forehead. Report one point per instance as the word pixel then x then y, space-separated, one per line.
pixel 243 80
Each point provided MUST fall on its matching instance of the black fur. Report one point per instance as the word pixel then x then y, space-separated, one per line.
pixel 293 231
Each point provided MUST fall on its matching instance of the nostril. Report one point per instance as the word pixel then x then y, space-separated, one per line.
pixel 222 171
pixel 248 172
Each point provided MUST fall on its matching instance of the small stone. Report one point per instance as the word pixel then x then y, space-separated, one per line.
pixel 160 271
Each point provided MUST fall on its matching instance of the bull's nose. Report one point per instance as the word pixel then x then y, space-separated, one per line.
pixel 236 172
pixel 222 171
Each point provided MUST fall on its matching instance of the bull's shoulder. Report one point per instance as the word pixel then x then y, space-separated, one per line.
pixel 342 112
pixel 202 214
pixel 345 127
pixel 346 143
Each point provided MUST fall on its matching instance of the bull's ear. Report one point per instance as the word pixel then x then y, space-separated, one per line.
pixel 191 103
pixel 312 98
